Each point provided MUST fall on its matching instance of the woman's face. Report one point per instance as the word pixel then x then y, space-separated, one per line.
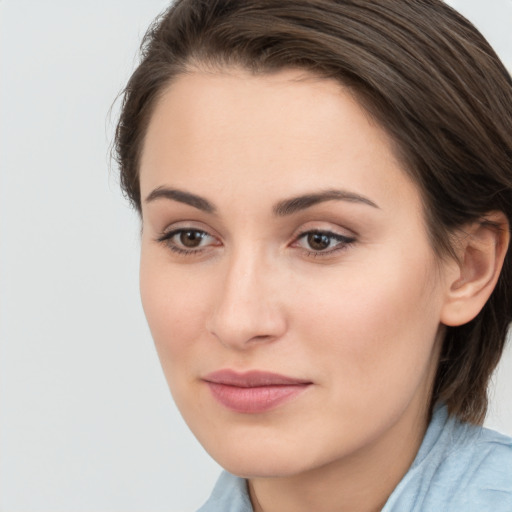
pixel 286 272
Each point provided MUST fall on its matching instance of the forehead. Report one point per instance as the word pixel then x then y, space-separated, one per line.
pixel 289 128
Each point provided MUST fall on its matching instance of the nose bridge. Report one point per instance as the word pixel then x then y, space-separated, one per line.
pixel 246 309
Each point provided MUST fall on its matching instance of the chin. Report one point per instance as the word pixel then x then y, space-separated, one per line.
pixel 262 466
pixel 265 457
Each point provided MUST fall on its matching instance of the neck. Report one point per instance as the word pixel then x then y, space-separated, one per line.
pixel 359 482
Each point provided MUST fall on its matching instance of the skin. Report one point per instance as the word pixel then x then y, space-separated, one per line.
pixel 361 321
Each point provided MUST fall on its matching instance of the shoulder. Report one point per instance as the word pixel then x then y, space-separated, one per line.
pixel 459 467
pixel 480 469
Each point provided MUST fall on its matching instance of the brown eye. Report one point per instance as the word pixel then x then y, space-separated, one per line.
pixel 318 241
pixel 191 238
pixel 188 241
pixel 323 242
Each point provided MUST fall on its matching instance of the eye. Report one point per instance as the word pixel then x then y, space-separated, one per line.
pixel 316 242
pixel 187 240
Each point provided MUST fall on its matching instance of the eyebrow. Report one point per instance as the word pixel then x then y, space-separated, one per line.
pixel 295 204
pixel 281 209
pixel 182 197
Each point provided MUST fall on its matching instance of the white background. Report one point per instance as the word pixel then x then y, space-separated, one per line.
pixel 86 421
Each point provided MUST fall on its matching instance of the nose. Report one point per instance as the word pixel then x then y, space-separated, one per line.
pixel 246 308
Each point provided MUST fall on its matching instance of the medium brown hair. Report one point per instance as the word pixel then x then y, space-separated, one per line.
pixel 420 69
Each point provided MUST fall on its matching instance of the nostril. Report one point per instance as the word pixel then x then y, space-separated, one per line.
pixel 239 331
pixel 261 338
pixel 241 339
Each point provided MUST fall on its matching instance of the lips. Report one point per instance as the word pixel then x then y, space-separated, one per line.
pixel 255 391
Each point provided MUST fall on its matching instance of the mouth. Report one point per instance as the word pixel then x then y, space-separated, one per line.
pixel 255 391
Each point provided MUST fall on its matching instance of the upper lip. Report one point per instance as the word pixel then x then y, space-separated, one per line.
pixel 253 378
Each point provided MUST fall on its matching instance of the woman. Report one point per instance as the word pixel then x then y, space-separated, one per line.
pixel 326 196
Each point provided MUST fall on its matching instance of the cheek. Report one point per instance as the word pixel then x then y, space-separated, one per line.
pixel 374 327
pixel 172 303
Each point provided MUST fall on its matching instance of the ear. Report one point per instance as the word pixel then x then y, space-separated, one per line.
pixel 481 248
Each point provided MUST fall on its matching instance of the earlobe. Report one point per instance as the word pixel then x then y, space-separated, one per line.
pixel 481 248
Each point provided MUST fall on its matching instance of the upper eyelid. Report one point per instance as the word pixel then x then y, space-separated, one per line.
pixel 327 231
pixel 174 230
pixel 339 231
pixel 187 225
pixel 170 233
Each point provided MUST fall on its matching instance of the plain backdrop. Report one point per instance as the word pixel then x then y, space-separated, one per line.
pixel 86 421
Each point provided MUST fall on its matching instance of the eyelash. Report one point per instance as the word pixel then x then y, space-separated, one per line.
pixel 166 238
pixel 343 241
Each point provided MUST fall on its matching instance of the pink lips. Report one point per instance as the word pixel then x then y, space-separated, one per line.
pixel 254 391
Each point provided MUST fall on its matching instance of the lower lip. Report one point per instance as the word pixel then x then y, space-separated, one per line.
pixel 257 399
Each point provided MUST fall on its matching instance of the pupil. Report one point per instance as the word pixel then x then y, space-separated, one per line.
pixel 191 238
pixel 318 241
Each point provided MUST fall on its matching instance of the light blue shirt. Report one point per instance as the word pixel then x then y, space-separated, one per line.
pixel 458 468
